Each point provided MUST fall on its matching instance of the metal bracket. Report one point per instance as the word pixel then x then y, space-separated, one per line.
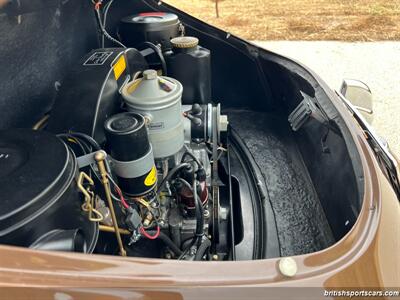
pixel 306 110
pixel 87 160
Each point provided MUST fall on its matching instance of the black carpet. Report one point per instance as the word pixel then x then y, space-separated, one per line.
pixel 301 222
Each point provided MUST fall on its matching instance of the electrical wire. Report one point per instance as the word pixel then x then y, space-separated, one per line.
pixel 91 141
pixel 147 235
pixel 199 232
pixel 198 206
pixel 122 198
pixel 101 27
pixel 41 123
pixel 86 144
pixel 195 159
pixel 171 173
pixel 106 9
pixel 160 55
pixel 199 213
pixel 70 139
pixel 119 192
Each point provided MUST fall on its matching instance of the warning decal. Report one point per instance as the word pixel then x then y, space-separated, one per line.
pixel 98 58
pixel 119 67
pixel 151 178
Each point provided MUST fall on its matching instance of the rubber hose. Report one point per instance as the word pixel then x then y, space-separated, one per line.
pixel 165 238
pixel 172 173
pixel 159 54
pixel 202 249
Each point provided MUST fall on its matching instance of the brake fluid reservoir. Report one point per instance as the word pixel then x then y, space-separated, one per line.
pixel 159 99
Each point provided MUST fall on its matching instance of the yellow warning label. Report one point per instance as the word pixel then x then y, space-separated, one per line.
pixel 119 67
pixel 151 178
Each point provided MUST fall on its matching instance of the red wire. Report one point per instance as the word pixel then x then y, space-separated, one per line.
pixel 142 230
pixel 126 205
pixel 97 5
pixel 150 237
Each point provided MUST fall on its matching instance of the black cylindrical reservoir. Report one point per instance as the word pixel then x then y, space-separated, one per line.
pixel 190 64
pixel 153 27
pixel 131 152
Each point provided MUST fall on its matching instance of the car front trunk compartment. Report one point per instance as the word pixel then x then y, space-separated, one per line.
pixel 293 192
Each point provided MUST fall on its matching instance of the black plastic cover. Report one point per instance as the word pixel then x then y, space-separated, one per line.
pixel 38 192
pixel 31 163
pixel 127 136
pixel 154 27
pixel 90 92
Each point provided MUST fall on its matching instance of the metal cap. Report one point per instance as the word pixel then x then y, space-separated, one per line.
pixel 184 42
pixel 151 92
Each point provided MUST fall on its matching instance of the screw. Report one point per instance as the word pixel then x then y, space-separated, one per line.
pixel 215 257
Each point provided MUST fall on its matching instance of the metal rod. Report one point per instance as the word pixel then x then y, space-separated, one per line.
pixel 100 157
pixel 112 229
